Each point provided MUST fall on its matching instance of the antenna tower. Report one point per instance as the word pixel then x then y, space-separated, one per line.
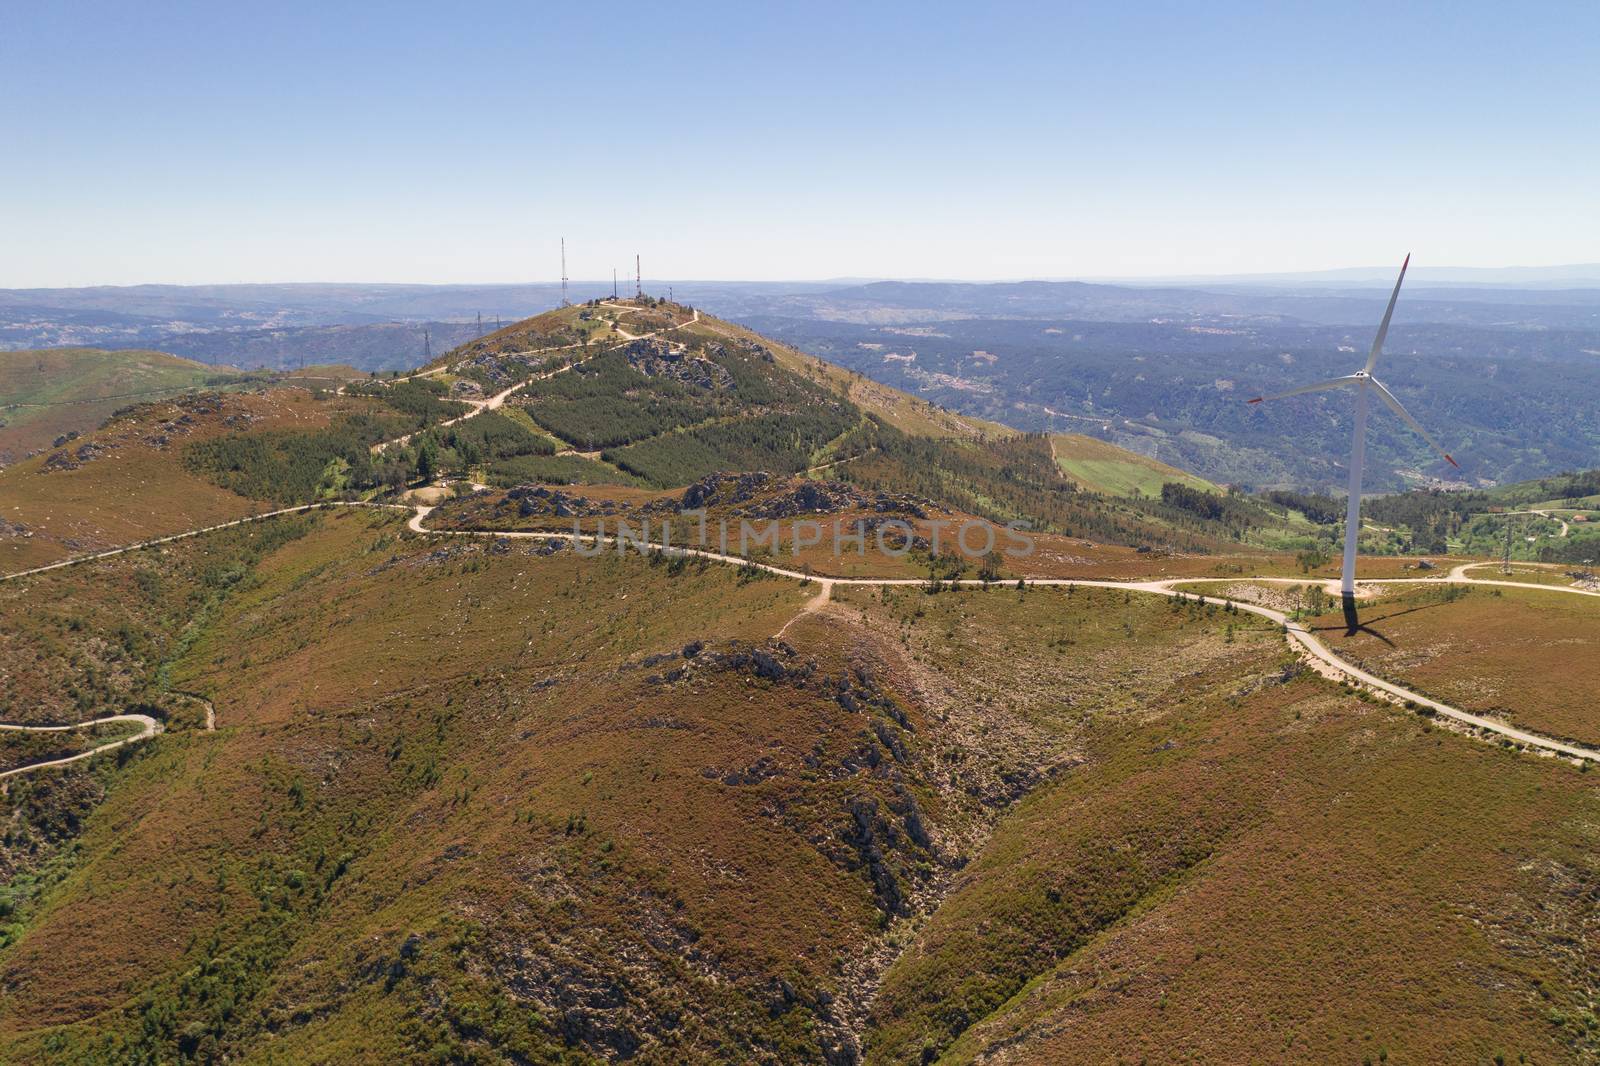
pixel 1505 560
pixel 564 301
pixel 427 347
pixel 638 278
pixel 613 283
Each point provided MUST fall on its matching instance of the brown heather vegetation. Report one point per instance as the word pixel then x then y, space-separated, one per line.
pixel 499 816
pixel 74 648
pixel 1246 869
pixel 469 802
pixel 482 800
pixel 131 483
pixel 1530 657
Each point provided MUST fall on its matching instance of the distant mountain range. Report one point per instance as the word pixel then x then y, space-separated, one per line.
pixel 891 301
pixel 1571 276
pixel 1506 371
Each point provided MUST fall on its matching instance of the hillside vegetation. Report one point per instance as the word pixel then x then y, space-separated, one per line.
pixel 63 391
pixel 1105 468
pixel 424 797
pixel 437 822
pixel 130 481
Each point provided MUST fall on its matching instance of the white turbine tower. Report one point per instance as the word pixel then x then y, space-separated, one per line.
pixel 1364 382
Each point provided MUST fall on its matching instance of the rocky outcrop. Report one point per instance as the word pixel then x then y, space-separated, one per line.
pixel 762 495
pixel 530 500
pixel 154 425
pixel 657 359
pixel 883 833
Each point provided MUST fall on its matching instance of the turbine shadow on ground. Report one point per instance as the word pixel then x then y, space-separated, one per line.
pixel 1353 624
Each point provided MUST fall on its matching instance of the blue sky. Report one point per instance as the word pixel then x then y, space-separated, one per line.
pixel 457 142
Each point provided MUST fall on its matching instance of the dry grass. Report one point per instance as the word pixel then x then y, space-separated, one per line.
pixel 1247 870
pixel 1530 657
pixel 137 488
pixel 456 806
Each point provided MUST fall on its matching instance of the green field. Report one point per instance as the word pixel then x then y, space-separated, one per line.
pixel 1105 468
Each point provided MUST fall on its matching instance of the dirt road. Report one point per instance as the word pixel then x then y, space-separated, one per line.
pixel 149 727
pixel 1294 632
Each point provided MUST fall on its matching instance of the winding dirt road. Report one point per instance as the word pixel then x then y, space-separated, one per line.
pixel 1297 634
pixel 498 399
pixel 1545 513
pixel 1323 657
pixel 185 535
pixel 149 727
pixel 1330 663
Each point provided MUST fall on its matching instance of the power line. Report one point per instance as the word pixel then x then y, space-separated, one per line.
pixel 114 396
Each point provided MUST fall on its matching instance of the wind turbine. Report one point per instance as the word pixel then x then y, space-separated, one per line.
pixel 1364 383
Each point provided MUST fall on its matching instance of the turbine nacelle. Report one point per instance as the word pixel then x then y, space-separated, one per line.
pixel 1363 378
pixel 1364 383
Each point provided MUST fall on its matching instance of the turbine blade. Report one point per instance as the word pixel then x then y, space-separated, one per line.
pixel 1383 329
pixel 1394 405
pixel 1318 387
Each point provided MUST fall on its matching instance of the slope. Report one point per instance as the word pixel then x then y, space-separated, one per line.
pixel 437 821
pixel 493 799
pixel 659 394
pixel 61 391
pixel 1101 466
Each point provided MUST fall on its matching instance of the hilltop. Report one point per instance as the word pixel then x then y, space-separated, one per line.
pixel 647 395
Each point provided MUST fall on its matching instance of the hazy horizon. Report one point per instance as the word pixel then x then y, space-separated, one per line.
pixel 1513 276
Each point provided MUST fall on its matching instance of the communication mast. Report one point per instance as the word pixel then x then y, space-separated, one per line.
pixel 638 278
pixel 564 301
pixel 1505 560
pixel 427 347
pixel 613 283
